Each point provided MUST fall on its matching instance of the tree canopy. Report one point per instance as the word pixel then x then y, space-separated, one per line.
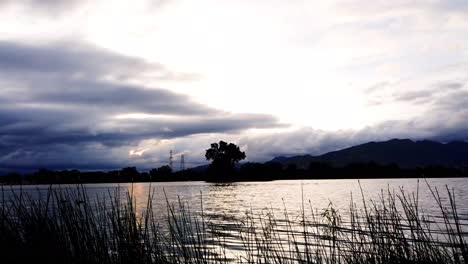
pixel 224 156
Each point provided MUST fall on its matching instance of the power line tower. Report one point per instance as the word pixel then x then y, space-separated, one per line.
pixel 170 159
pixel 182 162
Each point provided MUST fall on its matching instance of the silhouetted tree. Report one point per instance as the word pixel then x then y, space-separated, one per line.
pixel 161 173
pixel 44 176
pixel 129 174
pixel 165 170
pixel 224 156
pixel 11 178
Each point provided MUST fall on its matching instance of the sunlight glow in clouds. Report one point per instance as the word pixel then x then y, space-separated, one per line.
pixel 309 62
pixel 137 152
pixel 242 57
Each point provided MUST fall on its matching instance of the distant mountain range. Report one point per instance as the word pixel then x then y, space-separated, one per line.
pixel 403 152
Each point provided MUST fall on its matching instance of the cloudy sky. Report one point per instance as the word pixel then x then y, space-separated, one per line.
pixel 107 84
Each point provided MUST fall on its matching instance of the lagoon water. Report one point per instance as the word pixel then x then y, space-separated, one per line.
pixel 224 205
pixel 234 200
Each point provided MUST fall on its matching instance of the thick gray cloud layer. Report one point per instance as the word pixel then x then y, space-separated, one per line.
pixel 67 106
pixel 61 104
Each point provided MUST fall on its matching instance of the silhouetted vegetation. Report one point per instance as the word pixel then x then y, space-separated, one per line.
pixel 245 172
pixel 225 168
pixel 65 226
pixel 224 157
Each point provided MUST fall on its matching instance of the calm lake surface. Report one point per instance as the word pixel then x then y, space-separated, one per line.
pixel 234 200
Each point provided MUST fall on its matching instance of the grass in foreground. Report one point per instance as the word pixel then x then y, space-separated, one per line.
pixel 65 226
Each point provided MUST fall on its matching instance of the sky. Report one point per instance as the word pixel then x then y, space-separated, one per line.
pixel 108 84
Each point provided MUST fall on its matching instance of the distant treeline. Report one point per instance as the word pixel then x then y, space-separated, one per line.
pixel 245 172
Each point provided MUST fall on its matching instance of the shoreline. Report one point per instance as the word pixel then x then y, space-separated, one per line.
pixel 233 182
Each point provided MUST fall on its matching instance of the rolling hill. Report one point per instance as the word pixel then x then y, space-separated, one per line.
pixel 403 152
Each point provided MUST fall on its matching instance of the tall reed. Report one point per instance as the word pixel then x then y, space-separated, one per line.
pixel 66 226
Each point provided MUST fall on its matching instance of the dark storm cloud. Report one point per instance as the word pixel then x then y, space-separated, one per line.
pixel 380 8
pixel 449 85
pixel 376 87
pixel 429 94
pixel 47 3
pixel 78 60
pixel 113 98
pixel 452 5
pixel 62 102
pixel 422 96
pixel 46 7
pixel 186 126
pixel 413 95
